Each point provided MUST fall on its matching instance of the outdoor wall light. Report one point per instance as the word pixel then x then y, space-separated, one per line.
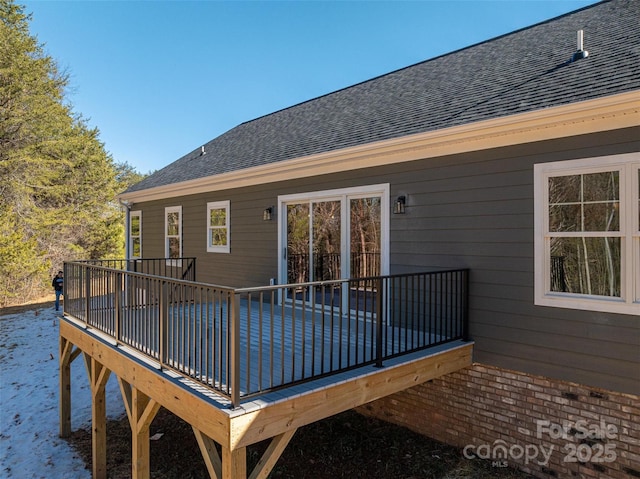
pixel 267 214
pixel 398 207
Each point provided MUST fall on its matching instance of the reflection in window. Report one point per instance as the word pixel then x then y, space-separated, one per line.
pixel 135 234
pixel 326 253
pixel 586 266
pixel 581 263
pixel 365 237
pixel 173 232
pixel 218 227
pixel 298 243
pixel 585 202
pixel 587 233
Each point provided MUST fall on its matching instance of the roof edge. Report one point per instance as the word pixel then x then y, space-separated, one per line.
pixel 590 116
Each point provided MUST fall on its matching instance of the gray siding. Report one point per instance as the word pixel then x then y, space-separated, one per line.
pixel 473 210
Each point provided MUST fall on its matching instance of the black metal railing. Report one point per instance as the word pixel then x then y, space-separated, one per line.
pixel 176 268
pixel 245 342
pixel 328 266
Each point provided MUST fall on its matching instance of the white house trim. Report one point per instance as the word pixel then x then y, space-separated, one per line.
pixel 591 116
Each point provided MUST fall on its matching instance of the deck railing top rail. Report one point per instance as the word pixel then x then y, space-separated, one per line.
pixel 176 268
pixel 243 342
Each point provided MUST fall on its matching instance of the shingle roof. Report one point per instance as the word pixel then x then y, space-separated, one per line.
pixel 519 72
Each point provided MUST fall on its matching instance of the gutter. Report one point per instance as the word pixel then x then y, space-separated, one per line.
pixel 127 225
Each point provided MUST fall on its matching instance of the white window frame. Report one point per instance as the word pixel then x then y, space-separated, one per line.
pixel 343 194
pixel 133 214
pixel 628 166
pixel 167 210
pixel 218 205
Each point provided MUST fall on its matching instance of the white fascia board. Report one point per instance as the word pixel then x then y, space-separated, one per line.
pixel 591 116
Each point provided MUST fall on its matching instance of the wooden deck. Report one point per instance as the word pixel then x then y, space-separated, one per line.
pixel 278 348
pixel 244 365
pixel 146 386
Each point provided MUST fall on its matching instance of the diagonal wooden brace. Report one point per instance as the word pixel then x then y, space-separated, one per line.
pixel 141 410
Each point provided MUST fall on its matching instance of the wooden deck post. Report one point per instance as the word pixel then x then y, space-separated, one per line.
pixel 67 355
pixel 64 396
pixel 98 376
pixel 141 410
pixel 234 463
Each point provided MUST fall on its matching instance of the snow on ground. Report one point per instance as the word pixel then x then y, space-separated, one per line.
pixel 29 425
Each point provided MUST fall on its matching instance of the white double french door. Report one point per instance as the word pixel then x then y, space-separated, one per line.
pixel 331 235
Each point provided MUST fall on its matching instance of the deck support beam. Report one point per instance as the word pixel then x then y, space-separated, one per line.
pixel 271 455
pixel 141 410
pixel 98 377
pixel 262 469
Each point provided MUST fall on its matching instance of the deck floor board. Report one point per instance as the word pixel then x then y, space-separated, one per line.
pixel 279 346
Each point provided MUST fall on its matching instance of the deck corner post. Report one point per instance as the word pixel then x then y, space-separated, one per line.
pixel 163 307
pixel 465 308
pixel 118 294
pixel 87 298
pixel 235 349
pixel 379 320
pixel 234 463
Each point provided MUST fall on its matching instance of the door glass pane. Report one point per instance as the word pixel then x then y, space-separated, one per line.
pixel 319 250
pixel 365 237
pixel 298 243
pixel 364 249
pixel 326 241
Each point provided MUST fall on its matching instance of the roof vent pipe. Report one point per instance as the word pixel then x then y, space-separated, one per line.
pixel 581 52
pixel 202 152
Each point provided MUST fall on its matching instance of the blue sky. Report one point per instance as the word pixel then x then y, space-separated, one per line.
pixel 160 78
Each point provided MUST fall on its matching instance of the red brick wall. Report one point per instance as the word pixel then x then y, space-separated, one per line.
pixel 583 431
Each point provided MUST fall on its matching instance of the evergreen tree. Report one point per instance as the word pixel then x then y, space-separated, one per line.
pixel 57 182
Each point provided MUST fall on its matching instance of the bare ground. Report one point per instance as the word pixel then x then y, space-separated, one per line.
pixel 348 445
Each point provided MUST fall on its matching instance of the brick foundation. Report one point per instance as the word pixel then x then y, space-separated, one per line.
pixel 481 408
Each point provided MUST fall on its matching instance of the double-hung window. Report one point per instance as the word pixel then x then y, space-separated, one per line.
pixel 173 232
pixel 587 234
pixel 218 227
pixel 135 234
